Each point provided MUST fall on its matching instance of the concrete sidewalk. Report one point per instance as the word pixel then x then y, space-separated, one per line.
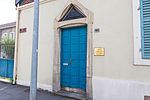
pixel 16 92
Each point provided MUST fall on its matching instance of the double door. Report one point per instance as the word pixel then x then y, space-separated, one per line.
pixel 73 57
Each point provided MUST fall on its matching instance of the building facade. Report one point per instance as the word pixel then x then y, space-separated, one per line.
pixel 96 48
pixel 7 31
pixel 7 46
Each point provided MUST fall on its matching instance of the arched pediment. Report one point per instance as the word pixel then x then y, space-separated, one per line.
pixel 73 10
pixel 72 13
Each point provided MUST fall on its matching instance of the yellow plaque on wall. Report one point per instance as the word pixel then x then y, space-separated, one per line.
pixel 99 52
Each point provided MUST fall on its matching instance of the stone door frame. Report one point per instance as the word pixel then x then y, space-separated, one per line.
pixel 88 20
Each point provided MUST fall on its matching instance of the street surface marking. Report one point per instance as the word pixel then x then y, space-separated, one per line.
pixel 3 88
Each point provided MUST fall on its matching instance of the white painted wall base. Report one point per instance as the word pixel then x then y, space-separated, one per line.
pixel 114 89
pixel 39 85
pixel 5 80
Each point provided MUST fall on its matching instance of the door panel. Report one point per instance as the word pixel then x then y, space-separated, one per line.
pixel 73 57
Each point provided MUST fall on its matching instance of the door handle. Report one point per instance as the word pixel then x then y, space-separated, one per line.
pixel 70 60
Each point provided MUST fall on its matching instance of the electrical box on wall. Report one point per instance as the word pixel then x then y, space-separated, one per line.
pixel 97 30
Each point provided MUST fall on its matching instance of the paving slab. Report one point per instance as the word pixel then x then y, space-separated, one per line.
pixel 17 92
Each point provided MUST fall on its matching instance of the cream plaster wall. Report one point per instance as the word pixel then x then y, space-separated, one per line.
pixel 25 46
pixel 115 22
pixel 114 18
pixel 8 31
pixel 46 41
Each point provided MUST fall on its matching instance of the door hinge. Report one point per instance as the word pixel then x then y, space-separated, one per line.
pixel 139 8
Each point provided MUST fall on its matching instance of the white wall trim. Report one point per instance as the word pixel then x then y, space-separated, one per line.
pixel 137 35
pixel 16 47
pixel 30 5
pixel 121 80
pixel 117 89
pixel 39 85
pixel 6 80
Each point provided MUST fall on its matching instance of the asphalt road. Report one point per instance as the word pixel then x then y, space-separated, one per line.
pixel 17 92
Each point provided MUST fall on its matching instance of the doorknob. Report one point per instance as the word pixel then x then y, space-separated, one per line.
pixel 70 60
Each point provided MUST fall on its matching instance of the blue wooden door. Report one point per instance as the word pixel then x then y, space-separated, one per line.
pixel 73 57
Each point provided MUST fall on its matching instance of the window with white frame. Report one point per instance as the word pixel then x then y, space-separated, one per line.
pixel 4 35
pixel 145 28
pixel 12 35
pixel 141 25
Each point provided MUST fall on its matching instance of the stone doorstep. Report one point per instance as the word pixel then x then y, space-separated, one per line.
pixel 71 95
